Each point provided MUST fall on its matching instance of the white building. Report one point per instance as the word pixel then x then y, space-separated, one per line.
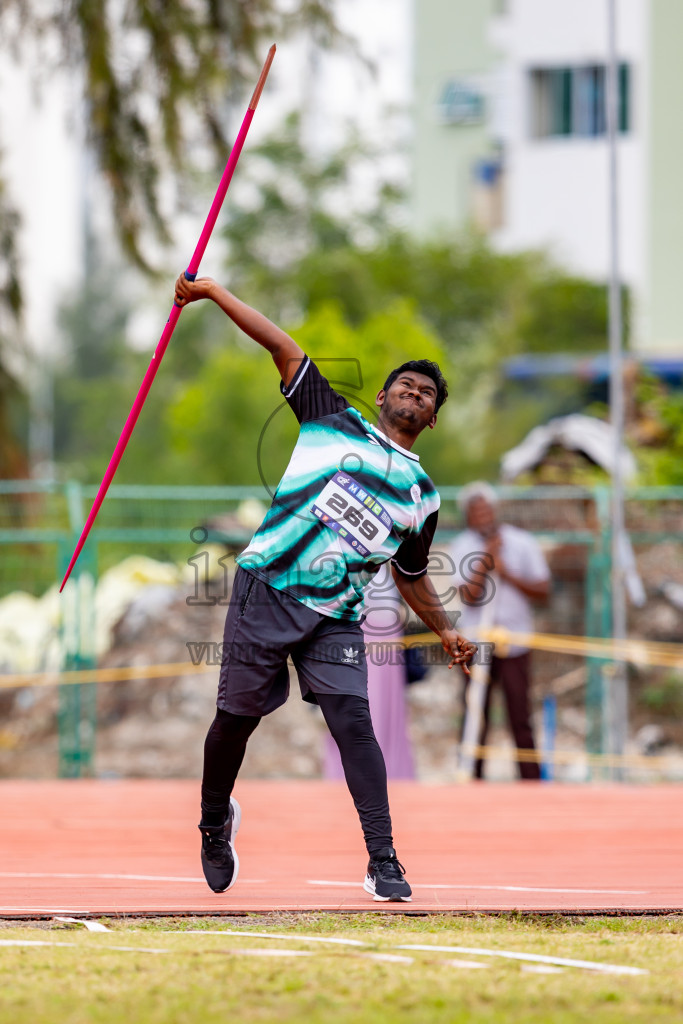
pixel 510 114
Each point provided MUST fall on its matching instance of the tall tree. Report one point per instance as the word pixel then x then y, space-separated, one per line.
pixel 157 78
pixel 298 208
pixel 12 455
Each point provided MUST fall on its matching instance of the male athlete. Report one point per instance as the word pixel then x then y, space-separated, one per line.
pixel 352 497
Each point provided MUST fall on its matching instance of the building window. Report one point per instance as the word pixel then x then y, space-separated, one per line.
pixel 572 100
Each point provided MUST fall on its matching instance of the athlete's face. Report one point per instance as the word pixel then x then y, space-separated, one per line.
pixel 410 402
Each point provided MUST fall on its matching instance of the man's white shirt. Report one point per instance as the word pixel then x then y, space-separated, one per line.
pixel 521 555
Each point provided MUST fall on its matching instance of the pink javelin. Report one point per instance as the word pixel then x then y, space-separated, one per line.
pixel 190 274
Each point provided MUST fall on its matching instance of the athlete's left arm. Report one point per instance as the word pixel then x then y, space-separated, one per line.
pixel 421 596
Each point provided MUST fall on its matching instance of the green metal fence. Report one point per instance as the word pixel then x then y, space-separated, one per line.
pixel 40 523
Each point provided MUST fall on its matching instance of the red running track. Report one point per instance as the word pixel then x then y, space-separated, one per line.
pixel 132 847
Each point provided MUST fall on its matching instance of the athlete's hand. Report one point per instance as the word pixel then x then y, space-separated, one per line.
pixel 189 291
pixel 461 650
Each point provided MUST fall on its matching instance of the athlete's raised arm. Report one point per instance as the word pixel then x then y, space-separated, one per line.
pixel 285 352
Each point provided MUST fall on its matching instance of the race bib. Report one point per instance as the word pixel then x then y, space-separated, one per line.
pixel 345 507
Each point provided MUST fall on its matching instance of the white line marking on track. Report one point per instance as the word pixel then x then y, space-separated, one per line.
pixel 267 935
pixel 537 888
pixel 589 965
pixel 535 963
pixel 499 888
pixel 131 949
pixel 230 952
pixel 33 942
pixel 393 958
pixel 390 958
pixel 317 881
pixel 72 945
pixel 147 949
pixel 468 964
pixel 42 910
pixel 267 952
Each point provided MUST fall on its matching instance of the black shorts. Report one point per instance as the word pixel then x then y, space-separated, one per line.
pixel 262 628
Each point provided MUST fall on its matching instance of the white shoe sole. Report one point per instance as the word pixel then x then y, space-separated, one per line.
pixel 236 821
pixel 215 875
pixel 369 886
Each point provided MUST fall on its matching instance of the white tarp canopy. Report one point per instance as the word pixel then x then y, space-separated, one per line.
pixel 595 439
pixel 578 433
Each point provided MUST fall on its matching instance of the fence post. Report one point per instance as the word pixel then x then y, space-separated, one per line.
pixel 549 735
pixel 77 711
pixel 598 623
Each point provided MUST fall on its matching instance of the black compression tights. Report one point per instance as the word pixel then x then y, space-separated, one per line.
pixel 348 719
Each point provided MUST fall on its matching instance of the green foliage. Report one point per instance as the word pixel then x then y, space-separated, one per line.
pixel 664 698
pixel 10 288
pixel 366 297
pixel 156 79
pixel 300 247
pixel 459 286
pixel 296 208
pixel 216 391
pixel 13 414
pixel 567 314
pixel 12 400
pixel 379 344
pixel 230 424
pixel 92 381
pixel 215 422
pixel 335 985
pixel 661 462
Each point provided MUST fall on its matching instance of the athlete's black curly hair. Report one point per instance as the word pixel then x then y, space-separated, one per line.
pixel 429 369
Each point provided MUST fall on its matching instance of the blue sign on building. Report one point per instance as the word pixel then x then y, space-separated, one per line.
pixel 461 102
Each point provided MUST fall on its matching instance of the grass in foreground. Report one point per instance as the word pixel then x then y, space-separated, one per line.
pixel 168 975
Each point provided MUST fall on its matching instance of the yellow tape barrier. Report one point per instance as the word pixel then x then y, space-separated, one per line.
pixel 637 652
pixel 104 675
pixel 659 763
pixel 640 652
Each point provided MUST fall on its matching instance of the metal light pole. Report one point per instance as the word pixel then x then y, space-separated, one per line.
pixel 616 682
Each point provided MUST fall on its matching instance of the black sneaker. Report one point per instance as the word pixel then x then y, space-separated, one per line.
pixel 385 880
pixel 219 859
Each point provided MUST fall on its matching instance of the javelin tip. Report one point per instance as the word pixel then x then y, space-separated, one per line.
pixel 262 78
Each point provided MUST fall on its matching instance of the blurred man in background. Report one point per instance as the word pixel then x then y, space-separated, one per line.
pixel 500 570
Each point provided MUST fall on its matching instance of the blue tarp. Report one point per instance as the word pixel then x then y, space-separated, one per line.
pixel 588 367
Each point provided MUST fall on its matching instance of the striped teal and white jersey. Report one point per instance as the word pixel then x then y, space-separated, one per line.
pixel 350 500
